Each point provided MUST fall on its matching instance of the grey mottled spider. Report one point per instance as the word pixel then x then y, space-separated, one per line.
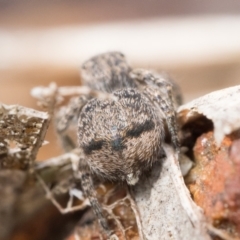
pixel 120 132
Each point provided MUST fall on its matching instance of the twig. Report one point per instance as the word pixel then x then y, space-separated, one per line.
pixel 220 233
pixel 190 207
pixel 69 208
pixel 136 213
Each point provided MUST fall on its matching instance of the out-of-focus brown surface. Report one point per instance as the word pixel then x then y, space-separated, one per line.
pixel 49 13
pixel 16 85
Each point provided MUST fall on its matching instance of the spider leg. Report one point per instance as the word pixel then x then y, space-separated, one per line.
pixel 70 208
pixel 159 90
pixel 164 82
pixel 66 120
pixel 85 177
pixel 170 115
pixel 166 103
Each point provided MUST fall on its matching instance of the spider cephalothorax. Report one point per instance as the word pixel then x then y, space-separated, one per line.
pixel 107 72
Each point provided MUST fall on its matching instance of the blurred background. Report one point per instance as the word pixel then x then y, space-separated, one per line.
pixel 197 42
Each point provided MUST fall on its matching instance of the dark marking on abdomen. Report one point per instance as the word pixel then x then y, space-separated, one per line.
pixel 138 129
pixel 92 146
pixel 117 144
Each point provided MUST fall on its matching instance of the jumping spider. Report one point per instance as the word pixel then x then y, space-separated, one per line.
pixel 121 122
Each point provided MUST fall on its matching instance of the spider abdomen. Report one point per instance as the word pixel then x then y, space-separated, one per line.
pixel 120 137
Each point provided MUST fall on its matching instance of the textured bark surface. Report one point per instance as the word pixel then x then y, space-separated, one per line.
pixel 164 203
pixel 221 107
pixel 22 132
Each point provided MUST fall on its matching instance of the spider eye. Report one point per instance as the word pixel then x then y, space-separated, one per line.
pixel 92 146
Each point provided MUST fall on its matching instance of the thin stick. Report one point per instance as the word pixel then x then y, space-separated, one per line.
pixel 220 233
pixel 136 213
pixel 69 208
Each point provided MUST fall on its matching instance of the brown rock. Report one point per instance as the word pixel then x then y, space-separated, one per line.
pixel 215 180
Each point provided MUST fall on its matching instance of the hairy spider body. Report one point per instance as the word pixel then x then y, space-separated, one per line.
pixel 120 136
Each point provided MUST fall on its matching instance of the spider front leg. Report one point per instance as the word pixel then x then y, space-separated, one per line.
pixel 170 115
pixel 85 177
pixel 66 122
pixel 160 91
